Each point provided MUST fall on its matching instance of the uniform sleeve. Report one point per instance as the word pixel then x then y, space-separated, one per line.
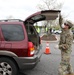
pixel 60 43
pixel 60 21
pixel 69 40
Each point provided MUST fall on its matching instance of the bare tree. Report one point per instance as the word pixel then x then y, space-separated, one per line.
pixel 49 5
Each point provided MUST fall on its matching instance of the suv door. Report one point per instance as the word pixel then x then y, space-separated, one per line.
pixel 0 37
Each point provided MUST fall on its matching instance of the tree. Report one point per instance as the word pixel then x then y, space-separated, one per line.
pixel 49 5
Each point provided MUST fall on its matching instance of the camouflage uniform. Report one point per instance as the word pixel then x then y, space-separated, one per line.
pixel 66 39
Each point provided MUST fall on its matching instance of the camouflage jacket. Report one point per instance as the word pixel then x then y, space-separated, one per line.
pixel 66 39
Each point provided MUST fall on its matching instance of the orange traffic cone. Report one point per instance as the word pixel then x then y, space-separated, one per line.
pixel 47 50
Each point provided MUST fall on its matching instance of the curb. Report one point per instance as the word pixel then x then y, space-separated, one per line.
pixel 50 41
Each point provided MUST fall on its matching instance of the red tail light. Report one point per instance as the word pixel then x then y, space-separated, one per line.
pixel 31 49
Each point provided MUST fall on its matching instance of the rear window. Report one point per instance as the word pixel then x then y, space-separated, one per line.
pixel 12 32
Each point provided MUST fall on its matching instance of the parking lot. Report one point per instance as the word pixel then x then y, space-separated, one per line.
pixel 49 63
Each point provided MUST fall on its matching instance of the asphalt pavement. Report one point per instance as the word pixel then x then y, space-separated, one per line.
pixel 49 63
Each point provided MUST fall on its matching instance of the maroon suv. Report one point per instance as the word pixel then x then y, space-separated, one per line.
pixel 20 46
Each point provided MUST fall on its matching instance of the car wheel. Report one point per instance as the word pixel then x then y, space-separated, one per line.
pixel 7 67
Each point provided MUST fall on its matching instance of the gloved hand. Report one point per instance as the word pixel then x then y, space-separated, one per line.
pixel 63 46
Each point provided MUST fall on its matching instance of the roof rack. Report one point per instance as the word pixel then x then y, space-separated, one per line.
pixel 11 20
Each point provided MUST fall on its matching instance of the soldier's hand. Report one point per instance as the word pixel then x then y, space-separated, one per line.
pixel 64 46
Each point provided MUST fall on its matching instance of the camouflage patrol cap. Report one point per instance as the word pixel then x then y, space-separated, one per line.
pixel 68 23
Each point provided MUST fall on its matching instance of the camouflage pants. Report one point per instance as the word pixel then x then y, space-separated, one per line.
pixel 65 66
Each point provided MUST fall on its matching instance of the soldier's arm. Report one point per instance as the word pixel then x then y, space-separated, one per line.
pixel 60 43
pixel 60 20
pixel 69 40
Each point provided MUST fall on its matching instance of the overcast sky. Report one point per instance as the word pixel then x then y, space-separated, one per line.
pixel 23 8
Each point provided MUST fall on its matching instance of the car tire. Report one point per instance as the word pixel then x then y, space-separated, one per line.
pixel 7 66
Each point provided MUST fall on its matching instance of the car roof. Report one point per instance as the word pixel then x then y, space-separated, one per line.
pixel 11 21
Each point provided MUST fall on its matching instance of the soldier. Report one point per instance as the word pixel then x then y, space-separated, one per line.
pixel 66 39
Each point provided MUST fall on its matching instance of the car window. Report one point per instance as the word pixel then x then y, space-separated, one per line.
pixel 12 32
pixel 30 30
